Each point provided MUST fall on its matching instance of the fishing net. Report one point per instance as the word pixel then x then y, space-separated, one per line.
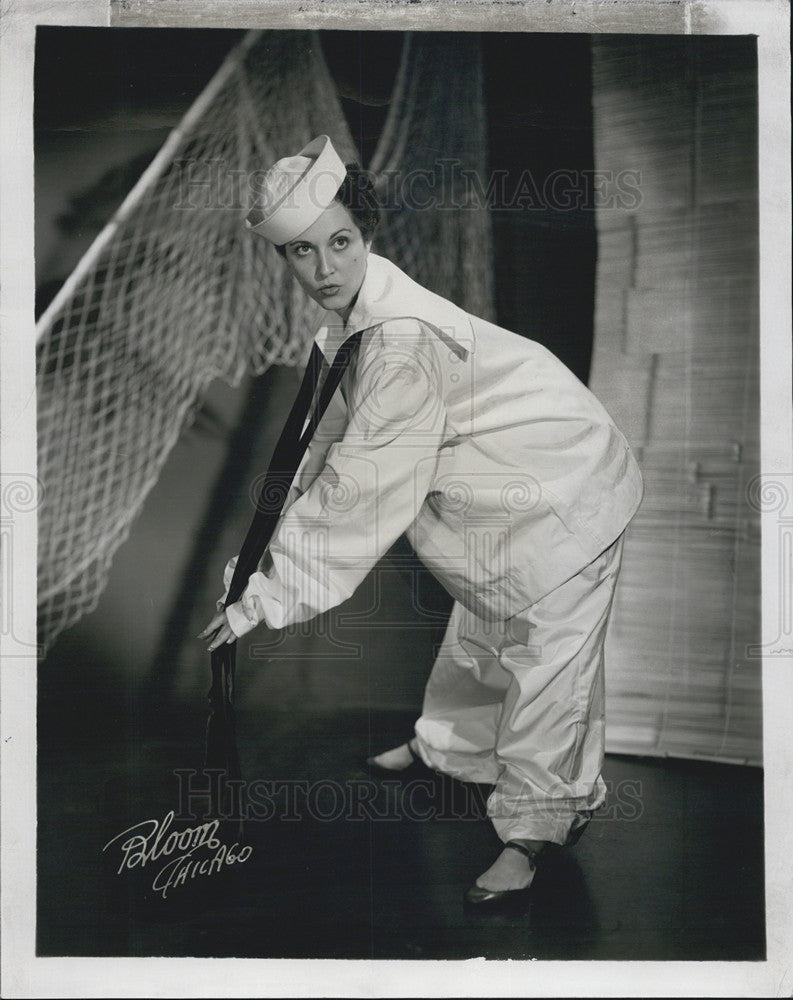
pixel 175 292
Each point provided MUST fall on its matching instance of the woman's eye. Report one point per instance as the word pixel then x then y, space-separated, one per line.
pixel 340 242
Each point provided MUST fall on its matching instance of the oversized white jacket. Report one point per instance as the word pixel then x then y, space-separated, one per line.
pixel 505 471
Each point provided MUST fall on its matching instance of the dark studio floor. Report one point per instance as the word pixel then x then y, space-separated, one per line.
pixel 672 869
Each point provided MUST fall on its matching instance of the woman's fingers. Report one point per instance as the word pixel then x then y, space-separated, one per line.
pixel 224 635
pixel 220 631
pixel 217 622
pixel 221 637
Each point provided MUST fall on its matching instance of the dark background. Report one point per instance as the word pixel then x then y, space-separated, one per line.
pixel 122 693
pixel 105 101
pixel 538 94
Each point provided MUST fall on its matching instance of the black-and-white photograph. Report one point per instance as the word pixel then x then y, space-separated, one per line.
pixel 399 494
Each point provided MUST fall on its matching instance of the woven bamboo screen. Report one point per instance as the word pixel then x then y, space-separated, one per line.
pixel 676 362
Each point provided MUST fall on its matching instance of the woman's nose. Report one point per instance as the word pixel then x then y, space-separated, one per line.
pixel 323 265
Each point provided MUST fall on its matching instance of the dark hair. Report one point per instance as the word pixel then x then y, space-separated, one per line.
pixel 358 195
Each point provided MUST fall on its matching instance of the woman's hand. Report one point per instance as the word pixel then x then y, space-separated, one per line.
pixel 220 626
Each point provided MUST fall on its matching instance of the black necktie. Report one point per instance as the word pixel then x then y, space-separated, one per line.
pixel 221 744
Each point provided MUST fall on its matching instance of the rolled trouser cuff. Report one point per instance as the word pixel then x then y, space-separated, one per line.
pixel 550 818
pixel 481 767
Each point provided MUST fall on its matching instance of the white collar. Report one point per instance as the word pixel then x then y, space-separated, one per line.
pixel 388 293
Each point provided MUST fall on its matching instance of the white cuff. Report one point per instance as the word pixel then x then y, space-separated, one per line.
pixel 239 622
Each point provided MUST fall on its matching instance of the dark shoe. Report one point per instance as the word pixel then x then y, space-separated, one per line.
pixel 415 769
pixel 491 900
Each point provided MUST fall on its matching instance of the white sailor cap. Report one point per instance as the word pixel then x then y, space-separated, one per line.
pixel 296 191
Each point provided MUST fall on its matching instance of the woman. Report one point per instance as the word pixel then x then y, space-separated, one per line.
pixel 514 487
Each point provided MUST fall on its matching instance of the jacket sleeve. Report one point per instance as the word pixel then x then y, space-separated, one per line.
pixel 371 486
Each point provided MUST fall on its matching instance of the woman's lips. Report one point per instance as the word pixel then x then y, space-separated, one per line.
pixel 329 289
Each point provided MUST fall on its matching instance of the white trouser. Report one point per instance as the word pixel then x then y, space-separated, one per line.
pixel 520 704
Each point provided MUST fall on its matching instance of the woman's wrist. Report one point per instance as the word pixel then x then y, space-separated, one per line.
pixel 239 623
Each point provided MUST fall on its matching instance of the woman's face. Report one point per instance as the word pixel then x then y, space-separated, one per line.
pixel 329 259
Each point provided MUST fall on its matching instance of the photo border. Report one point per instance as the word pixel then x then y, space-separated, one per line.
pixel 24 974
